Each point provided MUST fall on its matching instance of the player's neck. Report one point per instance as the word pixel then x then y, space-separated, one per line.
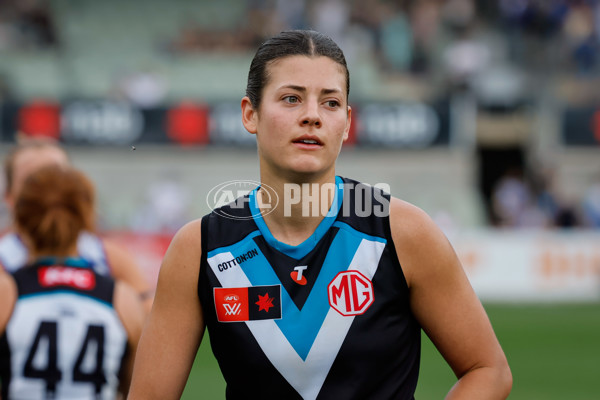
pixel 301 206
pixel 70 252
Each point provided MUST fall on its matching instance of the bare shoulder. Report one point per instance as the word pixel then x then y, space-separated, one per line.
pixel 411 226
pixel 417 238
pixel 8 297
pixel 175 326
pixel 189 235
pixel 182 259
pixel 187 242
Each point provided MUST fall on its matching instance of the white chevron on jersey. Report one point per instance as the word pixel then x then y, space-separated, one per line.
pixel 306 376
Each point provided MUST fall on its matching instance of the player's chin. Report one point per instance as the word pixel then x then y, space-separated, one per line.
pixel 308 165
pixel 308 172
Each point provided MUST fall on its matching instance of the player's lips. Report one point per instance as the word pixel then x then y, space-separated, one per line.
pixel 308 141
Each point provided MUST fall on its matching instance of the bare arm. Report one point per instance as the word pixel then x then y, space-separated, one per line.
pixel 447 308
pixel 132 314
pixel 125 268
pixel 8 298
pixel 175 326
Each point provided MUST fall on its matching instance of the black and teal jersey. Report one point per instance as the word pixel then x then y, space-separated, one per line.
pixel 64 339
pixel 327 319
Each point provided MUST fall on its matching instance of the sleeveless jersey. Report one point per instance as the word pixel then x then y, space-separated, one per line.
pixel 64 339
pixel 327 319
pixel 14 254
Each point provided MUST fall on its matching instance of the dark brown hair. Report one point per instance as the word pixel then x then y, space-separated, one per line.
pixel 55 204
pixel 290 43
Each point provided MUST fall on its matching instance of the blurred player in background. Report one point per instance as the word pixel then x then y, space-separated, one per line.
pixel 107 256
pixel 66 332
pixel 318 305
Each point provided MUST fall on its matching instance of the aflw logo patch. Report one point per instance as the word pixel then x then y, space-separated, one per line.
pixel 248 303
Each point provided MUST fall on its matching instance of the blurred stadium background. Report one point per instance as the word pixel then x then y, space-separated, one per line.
pixel 484 113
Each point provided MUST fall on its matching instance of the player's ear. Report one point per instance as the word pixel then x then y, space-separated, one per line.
pixel 249 115
pixel 348 123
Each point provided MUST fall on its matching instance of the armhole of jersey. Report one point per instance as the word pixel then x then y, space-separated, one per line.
pixel 392 245
pixel 113 288
pixel 5 363
pixel 203 249
pixel 123 362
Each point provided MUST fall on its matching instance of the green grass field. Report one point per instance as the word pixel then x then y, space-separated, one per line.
pixel 553 351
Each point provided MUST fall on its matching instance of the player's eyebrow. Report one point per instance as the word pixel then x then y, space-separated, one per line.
pixel 302 89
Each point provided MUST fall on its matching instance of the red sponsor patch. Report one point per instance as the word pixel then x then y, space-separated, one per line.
pixel 231 304
pixel 67 276
pixel 248 303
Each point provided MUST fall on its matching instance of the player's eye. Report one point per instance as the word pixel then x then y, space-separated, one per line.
pixel 333 103
pixel 291 99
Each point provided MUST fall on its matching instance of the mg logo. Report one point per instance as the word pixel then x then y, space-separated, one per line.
pixel 350 293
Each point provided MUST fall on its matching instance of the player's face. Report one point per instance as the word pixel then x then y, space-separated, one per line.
pixel 30 160
pixel 303 118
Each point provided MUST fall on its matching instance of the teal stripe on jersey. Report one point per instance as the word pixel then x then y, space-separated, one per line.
pixel 64 292
pixel 301 327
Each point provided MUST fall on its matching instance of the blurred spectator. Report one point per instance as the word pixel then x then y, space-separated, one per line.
pixel 396 40
pixel 464 58
pixel 144 88
pixel 596 6
pixel 290 14
pixel 558 208
pixel 425 23
pixel 332 18
pixel 188 39
pixel 514 204
pixel 261 21
pixel 500 87
pixel 591 205
pixel 37 22
pixel 368 14
pixel 581 39
pixel 27 24
pixel 545 187
pixel 529 26
pixel 7 35
pixel 6 92
pixel 566 215
pixel 510 198
pixel 459 14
